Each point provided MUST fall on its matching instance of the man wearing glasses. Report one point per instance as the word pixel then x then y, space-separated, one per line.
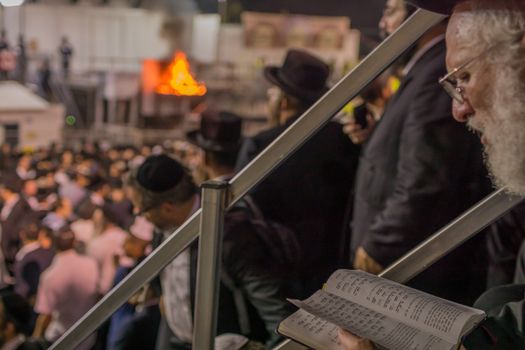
pixel 485 58
pixel 252 301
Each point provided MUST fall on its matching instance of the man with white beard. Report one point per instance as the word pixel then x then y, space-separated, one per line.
pixel 486 61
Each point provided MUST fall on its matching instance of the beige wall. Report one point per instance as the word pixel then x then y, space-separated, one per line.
pixel 37 129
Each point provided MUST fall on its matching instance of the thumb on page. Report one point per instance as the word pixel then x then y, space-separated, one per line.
pixel 353 342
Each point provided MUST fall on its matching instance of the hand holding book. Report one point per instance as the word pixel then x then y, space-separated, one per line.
pixel 392 315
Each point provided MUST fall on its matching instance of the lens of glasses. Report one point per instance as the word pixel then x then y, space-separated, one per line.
pixel 452 90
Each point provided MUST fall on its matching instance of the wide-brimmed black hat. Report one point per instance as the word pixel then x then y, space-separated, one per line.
pixel 440 6
pixel 219 132
pixel 302 76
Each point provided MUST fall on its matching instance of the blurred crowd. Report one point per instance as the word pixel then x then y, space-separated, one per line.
pixel 67 212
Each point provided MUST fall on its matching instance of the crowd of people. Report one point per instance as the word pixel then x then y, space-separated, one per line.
pixel 358 195
pixel 68 235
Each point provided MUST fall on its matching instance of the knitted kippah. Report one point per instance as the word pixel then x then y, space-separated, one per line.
pixel 159 173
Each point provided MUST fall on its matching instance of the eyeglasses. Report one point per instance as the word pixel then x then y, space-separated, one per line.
pixel 451 84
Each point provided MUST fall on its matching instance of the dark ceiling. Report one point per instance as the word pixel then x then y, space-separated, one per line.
pixel 364 14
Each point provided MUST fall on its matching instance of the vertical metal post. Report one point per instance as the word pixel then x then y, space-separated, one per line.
pixel 223 10
pixel 209 264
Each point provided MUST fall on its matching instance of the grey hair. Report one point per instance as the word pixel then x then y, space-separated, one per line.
pixel 491 23
pixel 181 193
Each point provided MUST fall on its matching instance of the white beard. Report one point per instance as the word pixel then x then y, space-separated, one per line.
pixel 504 132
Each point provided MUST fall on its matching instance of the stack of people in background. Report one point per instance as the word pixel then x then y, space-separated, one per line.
pixel 14 60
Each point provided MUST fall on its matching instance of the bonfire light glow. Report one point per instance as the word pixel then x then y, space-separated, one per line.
pixel 178 80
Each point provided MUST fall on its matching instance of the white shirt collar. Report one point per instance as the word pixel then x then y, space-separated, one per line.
pixel 8 207
pixel 26 249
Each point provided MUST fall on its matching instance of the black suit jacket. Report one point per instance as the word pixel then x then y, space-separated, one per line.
pixel 27 271
pixel 309 192
pixel 419 170
pixel 11 229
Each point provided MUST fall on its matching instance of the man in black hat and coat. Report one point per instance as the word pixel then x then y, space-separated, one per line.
pixel 309 192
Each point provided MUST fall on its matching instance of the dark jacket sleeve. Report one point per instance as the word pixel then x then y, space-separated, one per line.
pixel 248 151
pixel 27 285
pixel 431 155
pixel 250 267
pixel 505 327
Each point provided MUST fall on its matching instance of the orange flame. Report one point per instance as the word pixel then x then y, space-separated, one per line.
pixel 177 79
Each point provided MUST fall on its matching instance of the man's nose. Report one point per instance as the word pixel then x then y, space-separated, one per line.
pixel 462 111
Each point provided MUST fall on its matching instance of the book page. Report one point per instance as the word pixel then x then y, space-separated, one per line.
pixel 311 331
pixel 440 317
pixel 366 323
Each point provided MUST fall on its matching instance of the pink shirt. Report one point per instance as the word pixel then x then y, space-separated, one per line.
pixel 104 249
pixel 67 290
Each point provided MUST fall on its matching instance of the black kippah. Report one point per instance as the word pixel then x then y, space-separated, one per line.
pixel 159 173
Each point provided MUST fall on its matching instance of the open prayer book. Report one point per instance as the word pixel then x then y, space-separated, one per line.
pixel 393 316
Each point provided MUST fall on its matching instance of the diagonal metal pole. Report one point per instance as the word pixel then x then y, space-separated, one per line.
pixel 451 236
pixel 291 139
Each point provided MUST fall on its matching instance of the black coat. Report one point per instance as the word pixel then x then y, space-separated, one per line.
pixel 419 170
pixel 309 192
pixel 11 229
pixel 27 271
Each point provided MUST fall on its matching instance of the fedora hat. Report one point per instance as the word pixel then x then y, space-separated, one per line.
pixel 441 6
pixel 302 76
pixel 219 132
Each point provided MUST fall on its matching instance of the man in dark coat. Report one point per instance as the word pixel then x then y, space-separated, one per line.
pixel 30 261
pixel 13 212
pixel 251 299
pixel 487 87
pixel 418 171
pixel 309 192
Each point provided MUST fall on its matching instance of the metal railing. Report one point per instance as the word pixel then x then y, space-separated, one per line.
pixel 290 140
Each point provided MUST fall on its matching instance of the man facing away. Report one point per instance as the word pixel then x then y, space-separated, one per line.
pixel 165 194
pixel 310 191
pixel 485 59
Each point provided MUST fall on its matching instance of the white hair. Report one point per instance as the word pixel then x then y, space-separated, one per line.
pixel 487 25
pixel 492 23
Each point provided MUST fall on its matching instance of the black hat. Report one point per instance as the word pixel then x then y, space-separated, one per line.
pixel 302 76
pixel 440 6
pixel 219 131
pixel 159 173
